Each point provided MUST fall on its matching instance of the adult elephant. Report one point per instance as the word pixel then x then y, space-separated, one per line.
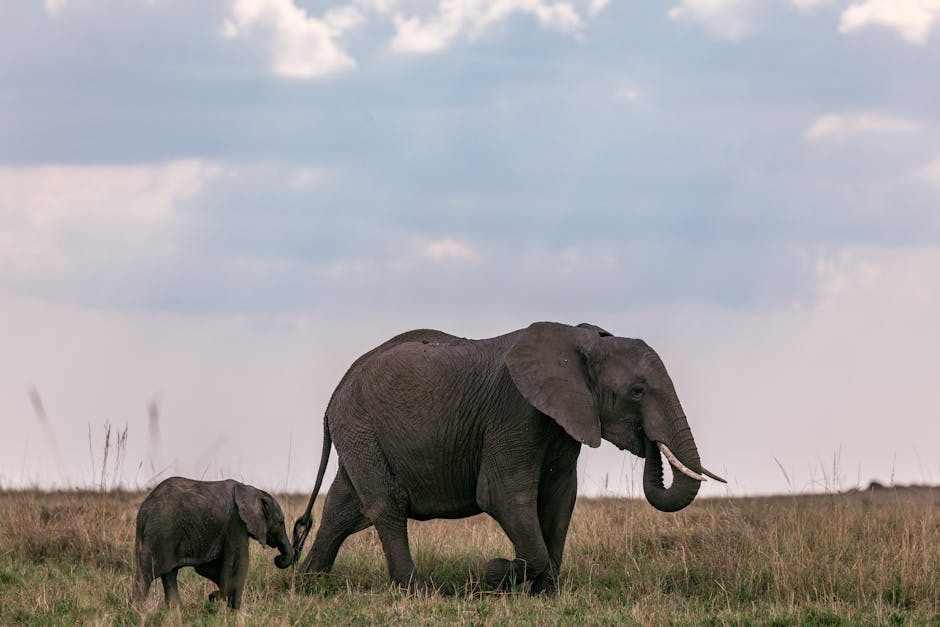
pixel 429 425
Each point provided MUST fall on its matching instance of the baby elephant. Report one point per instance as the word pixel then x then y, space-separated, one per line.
pixel 205 524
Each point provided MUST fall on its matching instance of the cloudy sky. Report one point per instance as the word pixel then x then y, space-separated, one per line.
pixel 213 208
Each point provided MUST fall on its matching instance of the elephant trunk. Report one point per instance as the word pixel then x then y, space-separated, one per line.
pixel 684 487
pixel 286 558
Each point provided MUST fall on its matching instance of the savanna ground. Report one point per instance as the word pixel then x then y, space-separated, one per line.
pixel 870 557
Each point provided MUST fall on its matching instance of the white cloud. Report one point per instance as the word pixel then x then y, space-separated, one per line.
pixel 409 254
pixel 597 6
pixel 574 263
pixel 412 253
pixel 52 193
pixel 628 94
pixel 840 125
pixel 841 274
pixel 346 269
pixel 871 282
pixel 911 19
pixel 448 249
pixel 379 6
pixel 416 251
pixel 930 173
pixel 471 18
pixel 300 46
pixel 412 35
pixel 726 19
pixel 53 7
pixel 578 260
pixel 805 6
pixel 55 219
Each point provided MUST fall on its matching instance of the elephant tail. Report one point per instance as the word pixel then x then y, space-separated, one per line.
pixel 303 524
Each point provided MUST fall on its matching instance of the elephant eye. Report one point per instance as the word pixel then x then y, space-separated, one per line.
pixel 636 392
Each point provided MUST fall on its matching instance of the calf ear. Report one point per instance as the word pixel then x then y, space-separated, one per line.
pixel 250 507
pixel 548 365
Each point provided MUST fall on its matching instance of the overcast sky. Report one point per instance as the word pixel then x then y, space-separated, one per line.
pixel 215 207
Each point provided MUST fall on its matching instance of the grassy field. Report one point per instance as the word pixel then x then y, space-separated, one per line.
pixel 864 558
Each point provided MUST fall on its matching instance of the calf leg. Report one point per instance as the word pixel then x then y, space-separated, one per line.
pixel 170 591
pixel 213 572
pixel 233 572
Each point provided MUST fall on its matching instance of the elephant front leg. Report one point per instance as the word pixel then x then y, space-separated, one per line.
pixel 521 524
pixel 213 572
pixel 237 581
pixel 557 494
pixel 234 571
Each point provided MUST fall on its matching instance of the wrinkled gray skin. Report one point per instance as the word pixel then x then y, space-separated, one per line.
pixel 206 525
pixel 429 425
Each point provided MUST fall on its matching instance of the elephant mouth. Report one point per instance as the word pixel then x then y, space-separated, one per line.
pixel 687 476
pixel 678 466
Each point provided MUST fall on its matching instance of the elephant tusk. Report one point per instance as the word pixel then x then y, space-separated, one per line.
pixel 677 464
pixel 707 473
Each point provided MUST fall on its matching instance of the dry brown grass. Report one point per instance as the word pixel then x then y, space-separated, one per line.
pixel 68 527
pixel 869 558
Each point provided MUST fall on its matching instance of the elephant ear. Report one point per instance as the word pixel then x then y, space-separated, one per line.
pixel 250 505
pixel 547 364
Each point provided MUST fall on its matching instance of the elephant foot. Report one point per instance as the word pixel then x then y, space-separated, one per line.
pixel 495 573
pixel 545 584
pixel 502 573
pixel 215 596
pixel 415 586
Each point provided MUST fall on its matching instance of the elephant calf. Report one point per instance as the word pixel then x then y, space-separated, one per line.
pixel 206 525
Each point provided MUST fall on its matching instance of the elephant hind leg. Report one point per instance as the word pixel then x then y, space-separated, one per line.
pixel 393 532
pixel 140 587
pixel 383 503
pixel 170 590
pixel 342 516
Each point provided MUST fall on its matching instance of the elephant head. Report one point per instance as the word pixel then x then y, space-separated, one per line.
pixel 596 385
pixel 265 521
